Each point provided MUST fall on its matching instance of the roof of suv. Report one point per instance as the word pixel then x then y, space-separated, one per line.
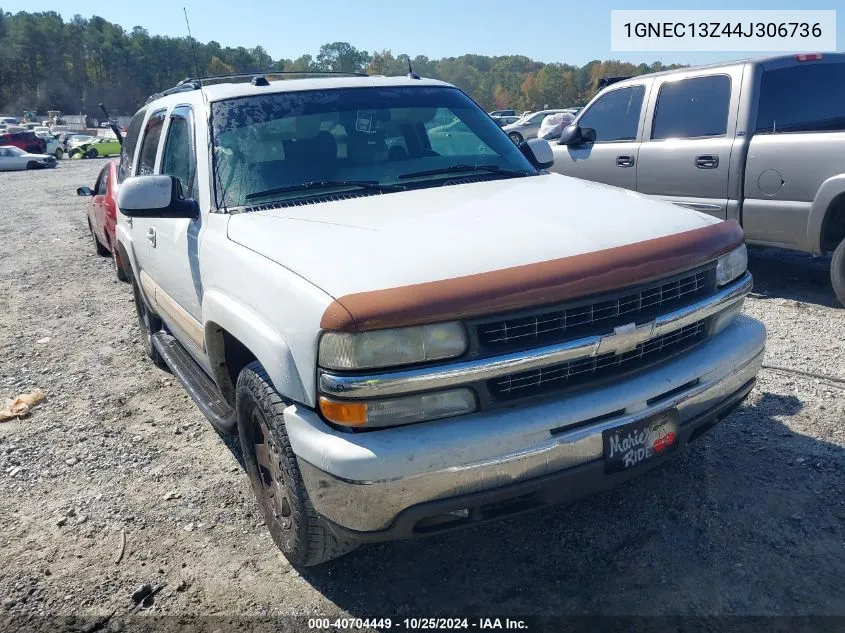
pixel 229 90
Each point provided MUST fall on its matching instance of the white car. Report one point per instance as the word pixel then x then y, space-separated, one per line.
pixel 415 330
pixel 54 148
pixel 15 159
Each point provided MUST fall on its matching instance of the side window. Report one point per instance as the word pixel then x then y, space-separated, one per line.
pixel 149 146
pixel 616 115
pixel 102 185
pixel 809 97
pixel 127 153
pixel 692 108
pixel 178 159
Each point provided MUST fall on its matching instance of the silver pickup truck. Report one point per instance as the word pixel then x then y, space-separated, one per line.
pixel 759 141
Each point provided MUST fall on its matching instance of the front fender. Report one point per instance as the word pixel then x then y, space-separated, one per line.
pixel 828 191
pixel 220 310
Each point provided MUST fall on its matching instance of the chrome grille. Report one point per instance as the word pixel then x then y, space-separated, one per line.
pixel 580 371
pixel 601 315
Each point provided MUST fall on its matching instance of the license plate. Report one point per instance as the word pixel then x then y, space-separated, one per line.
pixel 635 443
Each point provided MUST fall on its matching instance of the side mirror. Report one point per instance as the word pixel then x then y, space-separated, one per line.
pixel 538 152
pixel 84 191
pixel 571 135
pixel 155 197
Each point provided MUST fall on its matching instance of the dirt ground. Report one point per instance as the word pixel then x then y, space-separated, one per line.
pixel 750 520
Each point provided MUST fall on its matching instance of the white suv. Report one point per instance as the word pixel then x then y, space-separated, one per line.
pixel 412 329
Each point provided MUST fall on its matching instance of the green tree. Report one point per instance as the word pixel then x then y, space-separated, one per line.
pixel 342 57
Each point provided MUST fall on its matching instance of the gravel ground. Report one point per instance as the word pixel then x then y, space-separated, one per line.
pixel 750 520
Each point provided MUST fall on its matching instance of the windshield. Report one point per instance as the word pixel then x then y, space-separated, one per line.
pixel 295 144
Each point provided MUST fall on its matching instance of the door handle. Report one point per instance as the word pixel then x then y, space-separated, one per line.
pixel 707 161
pixel 624 161
pixel 151 236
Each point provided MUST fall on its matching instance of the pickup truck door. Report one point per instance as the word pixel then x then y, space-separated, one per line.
pixel 616 117
pixel 173 263
pixel 689 133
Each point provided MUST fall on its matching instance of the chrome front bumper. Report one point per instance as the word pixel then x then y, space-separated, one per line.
pixel 363 481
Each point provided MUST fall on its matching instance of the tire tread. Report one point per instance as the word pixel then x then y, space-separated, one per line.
pixel 322 543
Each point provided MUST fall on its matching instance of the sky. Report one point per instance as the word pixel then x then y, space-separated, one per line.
pixel 549 31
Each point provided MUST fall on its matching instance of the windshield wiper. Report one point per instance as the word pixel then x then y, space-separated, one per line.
pixel 462 168
pixel 326 184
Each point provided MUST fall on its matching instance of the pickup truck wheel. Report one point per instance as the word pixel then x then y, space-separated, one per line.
pixel 305 538
pixel 149 324
pixel 837 272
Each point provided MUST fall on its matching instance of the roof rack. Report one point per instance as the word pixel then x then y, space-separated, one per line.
pixel 259 78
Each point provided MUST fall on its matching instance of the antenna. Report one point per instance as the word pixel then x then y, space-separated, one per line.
pixel 411 73
pixel 191 40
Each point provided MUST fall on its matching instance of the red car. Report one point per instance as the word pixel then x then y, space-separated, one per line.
pixel 102 215
pixel 27 141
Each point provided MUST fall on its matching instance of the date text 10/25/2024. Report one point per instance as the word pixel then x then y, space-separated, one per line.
pixel 417 624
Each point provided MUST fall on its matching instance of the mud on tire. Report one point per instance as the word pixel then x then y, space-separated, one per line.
pixel 305 538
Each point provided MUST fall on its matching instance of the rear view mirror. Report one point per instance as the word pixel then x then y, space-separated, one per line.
pixel 155 197
pixel 84 191
pixel 538 152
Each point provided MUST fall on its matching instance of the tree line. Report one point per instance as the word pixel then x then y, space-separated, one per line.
pixel 47 63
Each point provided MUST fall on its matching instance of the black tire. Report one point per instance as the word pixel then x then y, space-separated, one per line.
pixel 118 266
pixel 305 538
pixel 92 153
pixel 32 165
pixel 149 324
pixel 102 251
pixel 516 137
pixel 837 272
pixel 58 153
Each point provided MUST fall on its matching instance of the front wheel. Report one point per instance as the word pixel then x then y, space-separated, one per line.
pixel 305 538
pixel 149 324
pixel 102 251
pixel 118 265
pixel 516 137
pixel 91 153
pixel 837 272
pixel 58 153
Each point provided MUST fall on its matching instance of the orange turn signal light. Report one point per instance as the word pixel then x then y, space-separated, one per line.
pixel 346 413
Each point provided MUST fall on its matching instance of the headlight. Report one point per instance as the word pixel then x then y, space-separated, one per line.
pixel 395 411
pixel 388 348
pixel 731 265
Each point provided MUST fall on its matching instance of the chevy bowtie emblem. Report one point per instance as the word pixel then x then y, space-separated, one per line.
pixel 625 338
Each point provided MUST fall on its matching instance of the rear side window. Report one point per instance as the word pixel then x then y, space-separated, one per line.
pixel 149 146
pixel 804 98
pixel 103 182
pixel 692 108
pixel 127 154
pixel 615 115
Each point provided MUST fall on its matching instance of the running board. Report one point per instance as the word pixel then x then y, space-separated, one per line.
pixel 196 382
